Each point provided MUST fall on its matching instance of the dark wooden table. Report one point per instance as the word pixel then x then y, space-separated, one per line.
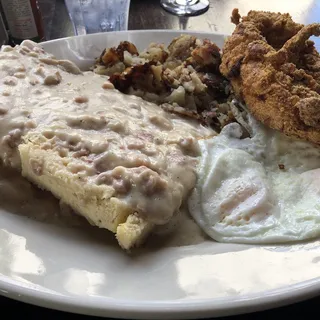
pixel 147 14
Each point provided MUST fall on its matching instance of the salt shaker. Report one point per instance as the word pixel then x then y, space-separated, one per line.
pixel 24 20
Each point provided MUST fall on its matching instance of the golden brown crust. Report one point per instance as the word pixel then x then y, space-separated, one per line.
pixel 275 69
pixel 235 16
pixel 114 55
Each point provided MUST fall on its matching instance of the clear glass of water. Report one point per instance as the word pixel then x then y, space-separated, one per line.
pixel 92 16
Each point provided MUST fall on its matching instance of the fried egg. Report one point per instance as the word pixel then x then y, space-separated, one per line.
pixel 261 189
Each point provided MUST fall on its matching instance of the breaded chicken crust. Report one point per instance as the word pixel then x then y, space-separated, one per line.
pixel 275 69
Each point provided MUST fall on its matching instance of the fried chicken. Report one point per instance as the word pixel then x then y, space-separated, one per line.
pixel 275 69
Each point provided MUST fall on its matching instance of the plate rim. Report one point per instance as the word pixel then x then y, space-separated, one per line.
pixel 157 309
pixel 99 34
pixel 188 309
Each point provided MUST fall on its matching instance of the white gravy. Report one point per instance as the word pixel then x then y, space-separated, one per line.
pixel 147 155
pixel 18 196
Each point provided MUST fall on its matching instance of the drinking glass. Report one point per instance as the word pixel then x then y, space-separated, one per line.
pixel 185 7
pixel 91 16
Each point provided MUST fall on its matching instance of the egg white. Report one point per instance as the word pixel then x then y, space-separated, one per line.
pixel 263 189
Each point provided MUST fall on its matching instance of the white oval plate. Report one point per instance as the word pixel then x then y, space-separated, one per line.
pixel 84 271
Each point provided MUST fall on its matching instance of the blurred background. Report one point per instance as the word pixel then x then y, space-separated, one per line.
pixel 148 14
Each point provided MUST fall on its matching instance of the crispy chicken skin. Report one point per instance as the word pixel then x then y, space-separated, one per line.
pixel 275 69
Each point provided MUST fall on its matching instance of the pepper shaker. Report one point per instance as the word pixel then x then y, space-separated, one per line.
pixel 24 20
